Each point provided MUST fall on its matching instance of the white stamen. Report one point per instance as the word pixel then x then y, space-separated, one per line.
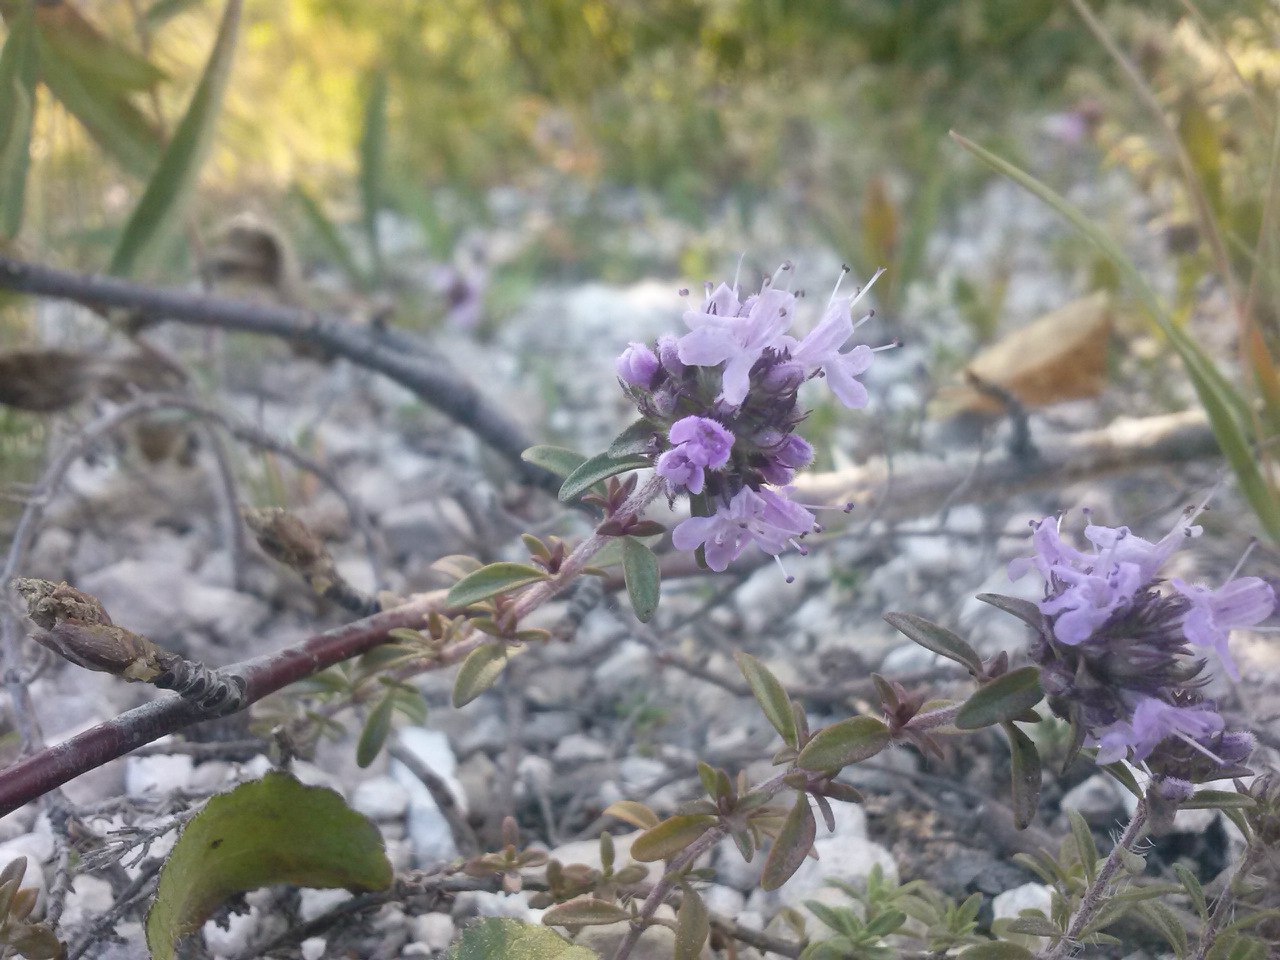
pixel 870 315
pixel 844 272
pixel 891 345
pixel 1243 557
pixel 738 272
pixel 786 576
pixel 800 547
pixel 1203 749
pixel 866 286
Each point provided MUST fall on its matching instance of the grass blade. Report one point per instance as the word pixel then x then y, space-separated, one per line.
pixel 373 148
pixel 18 65
pixel 174 181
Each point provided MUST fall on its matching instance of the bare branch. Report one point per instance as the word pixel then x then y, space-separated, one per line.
pixel 396 355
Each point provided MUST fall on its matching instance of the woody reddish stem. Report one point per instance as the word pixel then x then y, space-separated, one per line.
pixel 41 772
pixel 544 590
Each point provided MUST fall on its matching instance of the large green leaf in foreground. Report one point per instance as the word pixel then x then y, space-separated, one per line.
pixel 273 830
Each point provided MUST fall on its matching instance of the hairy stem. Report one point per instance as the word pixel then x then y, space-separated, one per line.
pixel 1095 895
pixel 1223 905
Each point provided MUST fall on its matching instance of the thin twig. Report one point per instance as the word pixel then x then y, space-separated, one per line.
pixel 1223 905
pixel 391 353
pixel 464 838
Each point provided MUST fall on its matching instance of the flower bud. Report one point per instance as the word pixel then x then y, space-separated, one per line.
pixel 637 366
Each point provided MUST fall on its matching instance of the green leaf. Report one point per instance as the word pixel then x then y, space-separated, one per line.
pixel 669 837
pixel 556 460
pixel 1165 922
pixel 1194 890
pixel 327 233
pixel 791 846
pixel 174 180
pixel 644 582
pixel 376 729
pixel 1217 800
pixel 491 580
pixel 268 831
pixel 1005 698
pixel 1024 610
pixel 693 926
pixel 632 812
pixel 1033 926
pixel 771 696
pixel 1086 848
pixel 634 440
pixel 162 11
pixel 373 149
pixel 479 672
pixel 584 912
pixel 108 115
pixel 502 939
pixel 1024 761
pixel 997 950
pixel 95 56
pixel 600 467
pixel 1123 775
pixel 935 638
pixel 843 743
pixel 18 71
pixel 1229 414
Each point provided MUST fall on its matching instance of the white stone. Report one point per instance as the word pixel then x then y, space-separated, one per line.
pixel 1099 799
pixel 579 748
pixel 435 931
pixel 428 829
pixel 849 859
pixel 314 776
pixel 89 897
pixel 161 773
pixel 313 948
pixel 241 929
pixel 514 906
pixel 17 823
pixel 630 663
pixel 211 776
pixel 724 900
pixel 316 903
pixel 1029 896
pixel 381 798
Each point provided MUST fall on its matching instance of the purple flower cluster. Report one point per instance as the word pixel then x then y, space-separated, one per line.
pixel 721 401
pixel 1118 651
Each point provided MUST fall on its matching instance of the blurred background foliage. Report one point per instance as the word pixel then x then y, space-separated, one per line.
pixel 838 110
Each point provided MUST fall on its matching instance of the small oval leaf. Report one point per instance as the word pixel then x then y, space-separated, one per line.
pixel 843 743
pixel 557 460
pixel 1025 764
pixel 771 696
pixel 1004 698
pixel 584 912
pixel 634 440
pixel 1024 610
pixel 629 811
pixel 600 467
pixel 669 837
pixel 491 580
pixel 792 846
pixel 693 926
pixel 938 639
pixel 479 671
pixel 376 729
pixel 644 581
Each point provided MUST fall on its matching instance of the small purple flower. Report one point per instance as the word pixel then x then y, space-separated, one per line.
pixel 703 440
pixel 736 341
pixel 1243 602
pixel 1153 721
pixel 669 354
pixel 784 455
pixel 766 518
pixel 681 473
pixel 637 365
